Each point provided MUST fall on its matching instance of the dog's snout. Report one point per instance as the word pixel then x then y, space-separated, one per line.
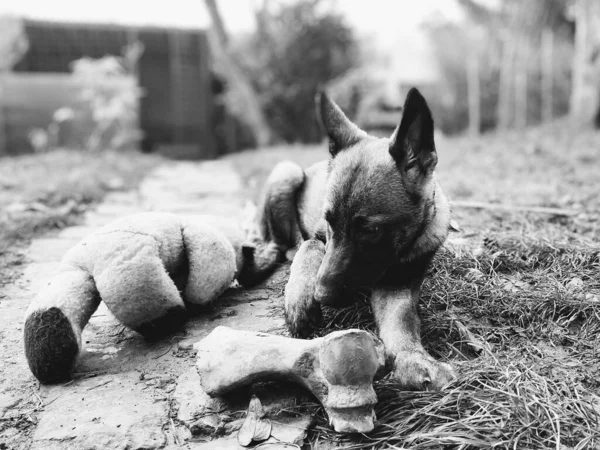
pixel 331 284
pixel 331 293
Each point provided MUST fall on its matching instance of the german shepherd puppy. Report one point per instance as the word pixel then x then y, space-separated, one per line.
pixel 372 217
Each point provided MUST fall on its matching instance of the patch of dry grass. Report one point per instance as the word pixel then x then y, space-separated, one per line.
pixel 516 309
pixel 49 191
pixel 528 360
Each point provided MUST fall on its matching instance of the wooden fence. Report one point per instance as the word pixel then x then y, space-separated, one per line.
pixel 177 110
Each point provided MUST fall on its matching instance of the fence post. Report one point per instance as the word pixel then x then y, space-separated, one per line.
pixel 520 91
pixel 175 89
pixel 206 97
pixel 547 75
pixel 473 88
pixel 3 138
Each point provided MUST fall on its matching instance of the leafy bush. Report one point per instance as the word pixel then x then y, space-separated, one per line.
pixel 298 47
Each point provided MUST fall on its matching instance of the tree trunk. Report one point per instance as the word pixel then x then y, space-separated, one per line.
pixel 585 94
pixel 246 104
pixel 547 70
pixel 505 94
pixel 3 139
pixel 521 87
pixel 473 93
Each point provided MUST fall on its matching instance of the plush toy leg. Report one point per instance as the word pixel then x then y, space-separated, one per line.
pixel 135 286
pixel 212 263
pixel 54 322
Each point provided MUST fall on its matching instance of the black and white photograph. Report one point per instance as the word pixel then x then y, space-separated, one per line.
pixel 300 225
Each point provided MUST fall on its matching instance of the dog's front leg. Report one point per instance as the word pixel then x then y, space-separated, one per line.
pixel 399 326
pixel 302 312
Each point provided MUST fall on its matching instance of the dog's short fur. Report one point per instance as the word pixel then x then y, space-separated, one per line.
pixel 371 217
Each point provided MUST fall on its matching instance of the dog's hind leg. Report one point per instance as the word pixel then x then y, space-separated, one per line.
pixel 302 311
pixel 399 326
pixel 276 226
pixel 278 213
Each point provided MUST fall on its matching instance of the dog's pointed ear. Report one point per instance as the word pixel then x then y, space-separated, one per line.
pixel 412 145
pixel 341 131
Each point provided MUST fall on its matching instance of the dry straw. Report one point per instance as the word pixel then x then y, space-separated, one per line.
pixel 521 322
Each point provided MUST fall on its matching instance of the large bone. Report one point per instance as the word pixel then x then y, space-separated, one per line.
pixel 338 369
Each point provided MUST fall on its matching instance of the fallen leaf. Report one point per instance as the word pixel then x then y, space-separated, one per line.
pixel 474 274
pixel 454 226
pixel 255 428
pixel 515 286
pixel 574 284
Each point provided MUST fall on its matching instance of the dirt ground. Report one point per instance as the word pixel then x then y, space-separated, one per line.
pixel 523 283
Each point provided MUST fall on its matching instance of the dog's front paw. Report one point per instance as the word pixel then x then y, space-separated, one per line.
pixel 302 315
pixel 420 372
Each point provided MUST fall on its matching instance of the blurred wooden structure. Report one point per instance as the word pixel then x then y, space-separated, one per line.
pixel 174 71
pixel 585 95
pixel 29 101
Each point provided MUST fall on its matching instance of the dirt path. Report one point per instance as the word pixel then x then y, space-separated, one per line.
pixel 127 393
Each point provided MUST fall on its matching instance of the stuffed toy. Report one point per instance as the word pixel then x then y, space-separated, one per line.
pixel 147 269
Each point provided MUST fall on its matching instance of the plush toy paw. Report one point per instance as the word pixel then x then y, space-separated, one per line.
pixel 51 345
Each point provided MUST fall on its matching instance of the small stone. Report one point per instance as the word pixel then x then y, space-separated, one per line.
pixel 291 430
pixel 7 402
pixel 196 406
pixel 185 346
pixel 224 443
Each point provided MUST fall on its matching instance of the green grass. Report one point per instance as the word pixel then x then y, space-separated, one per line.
pixel 513 301
pixel 49 191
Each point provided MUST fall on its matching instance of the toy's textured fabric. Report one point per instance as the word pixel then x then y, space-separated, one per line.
pixel 145 268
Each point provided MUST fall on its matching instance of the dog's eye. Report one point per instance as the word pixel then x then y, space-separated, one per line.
pixel 371 231
pixel 366 228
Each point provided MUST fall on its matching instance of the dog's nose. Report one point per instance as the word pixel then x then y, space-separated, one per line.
pixel 336 297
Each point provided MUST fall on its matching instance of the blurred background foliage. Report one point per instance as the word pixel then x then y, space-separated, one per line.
pixel 506 64
pixel 524 53
pixel 297 48
pixel 498 65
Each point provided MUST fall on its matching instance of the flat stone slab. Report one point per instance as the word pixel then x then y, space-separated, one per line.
pixel 51 249
pixel 105 412
pixel 210 187
pixel 130 393
pixel 196 410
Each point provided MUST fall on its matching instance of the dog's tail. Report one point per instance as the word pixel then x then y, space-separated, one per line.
pixel 275 229
pixel 54 322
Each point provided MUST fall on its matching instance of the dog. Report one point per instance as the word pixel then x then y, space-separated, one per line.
pixel 371 217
